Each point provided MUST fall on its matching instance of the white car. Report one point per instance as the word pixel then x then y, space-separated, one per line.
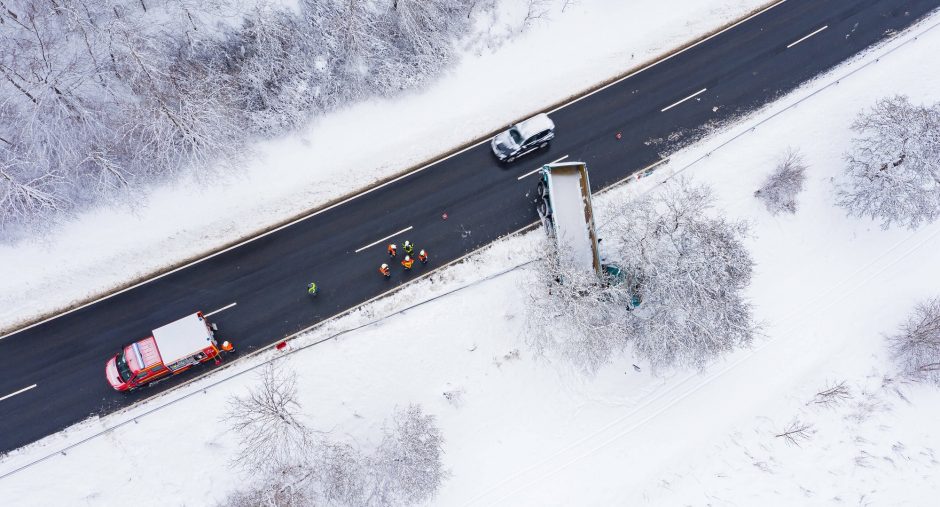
pixel 523 137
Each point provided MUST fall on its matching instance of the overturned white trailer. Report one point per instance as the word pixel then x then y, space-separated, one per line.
pixel 564 205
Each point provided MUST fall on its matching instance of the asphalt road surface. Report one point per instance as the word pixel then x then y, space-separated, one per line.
pixel 734 72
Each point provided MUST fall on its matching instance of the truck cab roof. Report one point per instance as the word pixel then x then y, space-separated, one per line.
pixel 142 354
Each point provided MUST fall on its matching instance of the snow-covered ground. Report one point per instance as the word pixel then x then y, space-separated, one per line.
pixel 107 248
pixel 527 430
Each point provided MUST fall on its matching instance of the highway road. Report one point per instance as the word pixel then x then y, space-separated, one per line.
pixel 52 374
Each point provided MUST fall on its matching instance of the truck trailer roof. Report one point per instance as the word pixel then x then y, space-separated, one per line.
pixel 182 338
pixel 572 215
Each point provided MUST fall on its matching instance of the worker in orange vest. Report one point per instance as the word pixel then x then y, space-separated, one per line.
pixel 408 262
pixel 384 269
pixel 423 256
pixel 392 249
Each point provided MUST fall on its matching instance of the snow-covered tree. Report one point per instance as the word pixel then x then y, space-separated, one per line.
pixel 268 422
pixel 271 492
pixel 916 346
pixel 292 467
pixel 893 169
pixel 99 98
pixel 423 34
pixel 575 314
pixel 683 263
pixel 779 191
pixel 269 58
pixel 342 475
pixel 407 464
pixel 28 190
pixel 693 268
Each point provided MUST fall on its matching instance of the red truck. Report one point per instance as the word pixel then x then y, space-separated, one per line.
pixel 171 349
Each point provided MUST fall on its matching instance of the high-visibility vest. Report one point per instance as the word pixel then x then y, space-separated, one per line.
pixel 409 249
pixel 312 288
pixel 407 263
pixel 384 270
pixel 422 256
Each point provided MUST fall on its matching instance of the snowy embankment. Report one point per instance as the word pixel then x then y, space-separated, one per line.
pixel 107 248
pixel 522 430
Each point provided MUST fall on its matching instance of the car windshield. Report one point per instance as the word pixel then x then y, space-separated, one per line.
pixel 122 368
pixel 515 135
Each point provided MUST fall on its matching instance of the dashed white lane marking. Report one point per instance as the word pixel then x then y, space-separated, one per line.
pixel 226 307
pixel 663 110
pixel 406 229
pixel 790 45
pixel 530 173
pixel 673 55
pixel 23 390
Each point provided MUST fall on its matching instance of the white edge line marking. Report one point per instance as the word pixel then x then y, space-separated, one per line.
pixel 221 309
pixel 657 62
pixel 23 390
pixel 790 45
pixel 406 229
pixel 530 173
pixel 403 176
pixel 683 100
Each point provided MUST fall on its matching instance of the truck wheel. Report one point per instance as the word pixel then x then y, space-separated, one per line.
pixel 543 210
pixel 543 145
pixel 542 190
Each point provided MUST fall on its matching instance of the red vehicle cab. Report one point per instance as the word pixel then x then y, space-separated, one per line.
pixel 171 349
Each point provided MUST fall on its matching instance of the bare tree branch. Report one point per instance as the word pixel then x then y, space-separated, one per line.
pixel 832 395
pixel 268 422
pixel 796 432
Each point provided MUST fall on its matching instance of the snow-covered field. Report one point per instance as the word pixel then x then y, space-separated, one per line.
pixel 528 430
pixel 107 248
